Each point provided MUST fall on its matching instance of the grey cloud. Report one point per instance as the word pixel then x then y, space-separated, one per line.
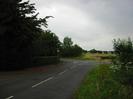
pixel 90 23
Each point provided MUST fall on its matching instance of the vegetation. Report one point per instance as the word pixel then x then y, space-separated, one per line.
pixel 99 84
pixel 111 81
pixel 93 51
pixel 102 57
pixel 70 50
pixel 100 52
pixel 23 41
pixel 20 27
pixel 123 64
pixel 47 44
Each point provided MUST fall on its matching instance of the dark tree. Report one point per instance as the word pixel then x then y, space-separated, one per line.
pixel 47 44
pixel 77 50
pixel 19 26
pixel 70 50
pixel 93 51
pixel 67 42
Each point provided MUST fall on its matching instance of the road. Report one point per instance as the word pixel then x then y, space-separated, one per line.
pixel 58 82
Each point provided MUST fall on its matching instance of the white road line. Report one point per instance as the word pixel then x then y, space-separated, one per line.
pixel 62 72
pixel 42 82
pixel 9 97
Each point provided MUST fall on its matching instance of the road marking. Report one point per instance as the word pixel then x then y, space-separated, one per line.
pixel 62 72
pixel 9 97
pixel 42 82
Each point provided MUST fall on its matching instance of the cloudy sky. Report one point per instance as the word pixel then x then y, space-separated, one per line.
pixel 90 23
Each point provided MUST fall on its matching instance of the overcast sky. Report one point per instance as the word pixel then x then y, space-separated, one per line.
pixel 90 23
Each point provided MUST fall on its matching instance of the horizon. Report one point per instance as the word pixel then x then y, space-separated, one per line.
pixel 90 23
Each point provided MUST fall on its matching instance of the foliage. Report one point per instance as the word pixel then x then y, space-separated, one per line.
pixel 99 84
pixel 93 51
pixel 67 42
pixel 77 50
pixel 19 26
pixel 70 50
pixel 123 64
pixel 47 44
pixel 99 51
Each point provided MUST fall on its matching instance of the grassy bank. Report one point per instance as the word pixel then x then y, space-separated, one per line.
pixel 99 84
pixel 96 57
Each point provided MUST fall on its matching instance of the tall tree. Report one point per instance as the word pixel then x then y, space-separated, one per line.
pixel 67 42
pixel 19 26
pixel 70 50
pixel 47 44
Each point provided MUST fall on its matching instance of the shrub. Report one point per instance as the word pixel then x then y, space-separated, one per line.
pixel 123 64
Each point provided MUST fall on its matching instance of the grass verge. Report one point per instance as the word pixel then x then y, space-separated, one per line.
pixel 99 84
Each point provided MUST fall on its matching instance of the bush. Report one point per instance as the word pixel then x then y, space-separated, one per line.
pixel 123 64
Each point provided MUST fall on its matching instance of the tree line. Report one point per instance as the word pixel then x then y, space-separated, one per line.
pixel 68 49
pixel 22 37
pixel 19 28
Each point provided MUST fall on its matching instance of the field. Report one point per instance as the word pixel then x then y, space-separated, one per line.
pixel 96 56
pixel 99 84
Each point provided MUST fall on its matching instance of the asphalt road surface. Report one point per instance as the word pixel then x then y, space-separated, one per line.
pixel 58 82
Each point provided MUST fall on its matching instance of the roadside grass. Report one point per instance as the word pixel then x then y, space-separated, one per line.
pixel 102 57
pixel 99 84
